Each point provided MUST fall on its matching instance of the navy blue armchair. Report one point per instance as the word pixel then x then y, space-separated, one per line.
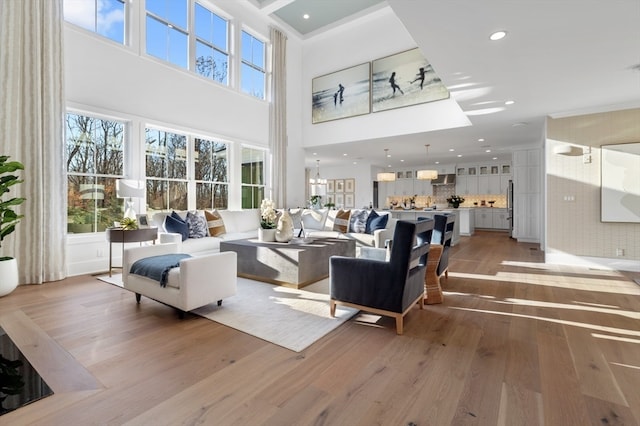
pixel 388 288
pixel 442 234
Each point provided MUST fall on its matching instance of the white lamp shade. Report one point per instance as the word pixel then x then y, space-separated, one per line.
pixel 386 177
pixel 427 174
pixel 127 188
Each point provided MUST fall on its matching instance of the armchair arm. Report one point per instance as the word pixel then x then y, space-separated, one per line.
pixel 210 277
pixel 380 236
pixel 366 282
pixel 171 238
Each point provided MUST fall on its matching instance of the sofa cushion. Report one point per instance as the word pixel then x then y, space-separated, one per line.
pixel 197 225
pixel 341 222
pixel 173 223
pixel 358 221
pixel 214 223
pixel 314 219
pixel 240 220
pixel 376 221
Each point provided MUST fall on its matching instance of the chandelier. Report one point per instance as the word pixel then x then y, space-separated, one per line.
pixel 318 185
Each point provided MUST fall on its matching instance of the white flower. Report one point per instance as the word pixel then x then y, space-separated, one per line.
pixel 268 213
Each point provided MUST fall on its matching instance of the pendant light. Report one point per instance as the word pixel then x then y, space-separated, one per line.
pixel 386 176
pixel 318 185
pixel 427 174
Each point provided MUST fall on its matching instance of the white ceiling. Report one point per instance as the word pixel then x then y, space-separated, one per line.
pixel 559 58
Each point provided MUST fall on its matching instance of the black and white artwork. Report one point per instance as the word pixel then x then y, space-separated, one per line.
pixel 404 79
pixel 341 94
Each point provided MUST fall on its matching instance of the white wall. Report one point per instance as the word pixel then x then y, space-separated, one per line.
pixel 366 39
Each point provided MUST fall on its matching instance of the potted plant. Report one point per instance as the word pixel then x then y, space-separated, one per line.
pixel 8 221
pixel 455 201
pixel 315 201
pixel 268 221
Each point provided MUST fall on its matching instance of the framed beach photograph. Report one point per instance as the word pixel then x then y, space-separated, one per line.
pixel 349 201
pixel 143 220
pixel 349 185
pixel 341 94
pixel 339 185
pixel 404 79
pixel 331 185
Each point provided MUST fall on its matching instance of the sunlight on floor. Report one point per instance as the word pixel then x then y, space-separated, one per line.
pixel 619 339
pixel 540 304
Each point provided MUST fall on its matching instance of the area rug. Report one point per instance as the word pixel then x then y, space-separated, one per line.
pixel 291 318
pixel 115 279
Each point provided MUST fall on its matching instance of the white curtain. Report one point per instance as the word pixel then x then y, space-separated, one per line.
pixel 31 131
pixel 278 117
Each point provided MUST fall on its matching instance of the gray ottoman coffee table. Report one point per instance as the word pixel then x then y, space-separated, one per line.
pixel 289 264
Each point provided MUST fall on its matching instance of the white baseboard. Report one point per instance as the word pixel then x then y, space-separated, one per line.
pixel 613 264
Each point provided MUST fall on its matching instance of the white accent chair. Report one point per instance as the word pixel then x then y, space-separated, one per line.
pixel 197 282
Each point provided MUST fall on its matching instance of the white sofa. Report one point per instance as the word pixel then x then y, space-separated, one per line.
pixel 197 282
pixel 241 224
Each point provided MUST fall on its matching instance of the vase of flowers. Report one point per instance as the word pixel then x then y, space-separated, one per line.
pixel 268 221
pixel 455 201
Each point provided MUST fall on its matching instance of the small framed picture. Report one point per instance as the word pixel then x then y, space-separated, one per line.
pixel 143 220
pixel 349 185
pixel 339 185
pixel 331 184
pixel 349 201
pixel 339 201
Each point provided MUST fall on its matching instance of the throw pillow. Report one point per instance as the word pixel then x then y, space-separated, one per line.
pixel 197 225
pixel 176 225
pixel 376 221
pixel 358 221
pixel 341 223
pixel 215 223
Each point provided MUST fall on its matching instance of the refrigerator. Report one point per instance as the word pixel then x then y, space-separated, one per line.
pixel 510 216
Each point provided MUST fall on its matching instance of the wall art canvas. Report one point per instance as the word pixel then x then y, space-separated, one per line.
pixel 620 192
pixel 404 79
pixel 341 94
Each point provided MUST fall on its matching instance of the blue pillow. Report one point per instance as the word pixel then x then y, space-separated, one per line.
pixel 375 221
pixel 171 224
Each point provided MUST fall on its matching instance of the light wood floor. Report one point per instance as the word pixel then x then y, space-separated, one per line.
pixel 516 342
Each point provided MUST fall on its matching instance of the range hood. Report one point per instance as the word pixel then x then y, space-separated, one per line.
pixel 444 179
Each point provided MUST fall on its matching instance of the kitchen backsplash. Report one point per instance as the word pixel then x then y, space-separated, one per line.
pixel 442 192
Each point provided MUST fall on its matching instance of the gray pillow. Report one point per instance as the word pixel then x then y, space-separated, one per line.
pixel 358 222
pixel 197 225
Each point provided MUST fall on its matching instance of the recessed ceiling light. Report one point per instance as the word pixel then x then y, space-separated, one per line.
pixel 481 140
pixel 402 161
pixel 355 162
pixel 510 102
pixel 437 162
pixel 345 154
pixel 488 150
pixel 451 149
pixel 305 16
pixel 495 158
pixel 459 155
pixel 498 35
pixel 315 153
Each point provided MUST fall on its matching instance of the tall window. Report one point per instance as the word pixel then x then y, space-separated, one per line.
pixel 94 153
pixel 211 174
pixel 166 170
pixel 253 177
pixel 105 17
pixel 167 30
pixel 212 47
pixel 252 72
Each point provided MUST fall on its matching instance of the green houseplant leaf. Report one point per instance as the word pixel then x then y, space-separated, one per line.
pixel 8 217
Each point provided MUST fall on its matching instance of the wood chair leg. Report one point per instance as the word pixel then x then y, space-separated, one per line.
pixel 332 305
pixel 138 297
pixel 399 324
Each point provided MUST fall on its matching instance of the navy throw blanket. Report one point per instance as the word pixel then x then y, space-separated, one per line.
pixel 157 267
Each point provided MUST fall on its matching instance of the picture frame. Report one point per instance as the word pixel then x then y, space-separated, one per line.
pixel 339 201
pixel 143 221
pixel 349 201
pixel 331 185
pixel 349 185
pixel 404 79
pixel 339 185
pixel 341 94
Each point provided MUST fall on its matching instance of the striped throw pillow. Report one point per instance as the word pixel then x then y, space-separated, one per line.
pixel 214 223
pixel 341 224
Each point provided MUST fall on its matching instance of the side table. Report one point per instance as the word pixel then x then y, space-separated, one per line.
pixel 432 286
pixel 120 235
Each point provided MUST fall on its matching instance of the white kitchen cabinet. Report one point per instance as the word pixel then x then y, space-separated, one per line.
pixel 422 187
pixel 467 221
pixel 527 209
pixel 467 185
pixel 404 187
pixel 500 219
pixel 484 218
